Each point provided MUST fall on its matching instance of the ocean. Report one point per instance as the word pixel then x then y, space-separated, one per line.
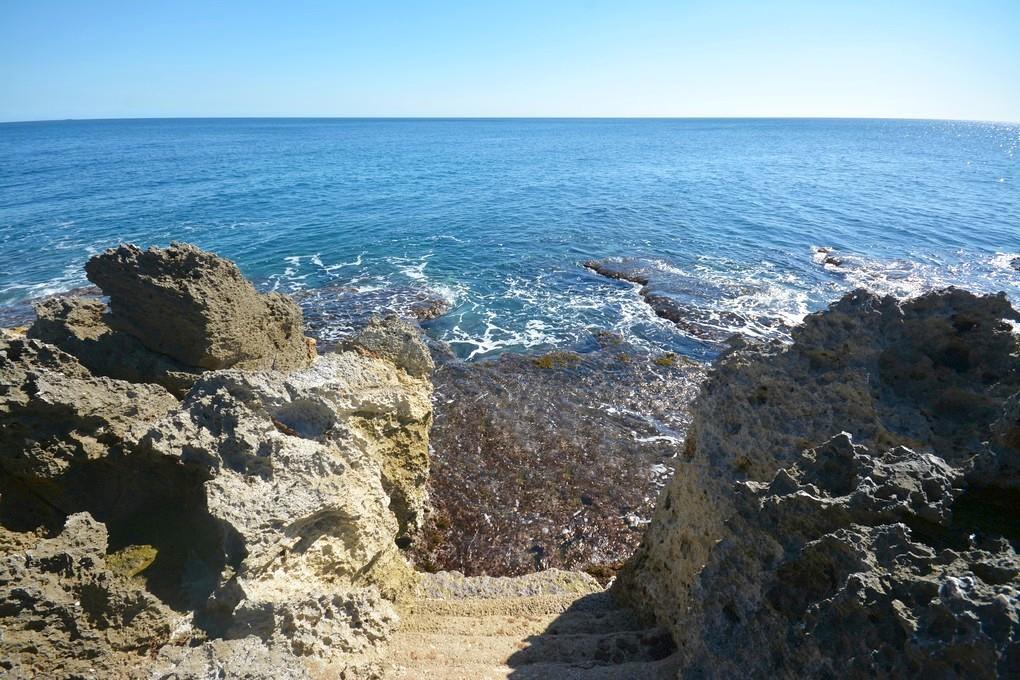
pixel 483 227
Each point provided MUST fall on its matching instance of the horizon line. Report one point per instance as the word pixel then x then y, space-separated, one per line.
pixel 483 118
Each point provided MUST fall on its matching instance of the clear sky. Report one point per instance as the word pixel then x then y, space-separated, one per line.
pixel 140 58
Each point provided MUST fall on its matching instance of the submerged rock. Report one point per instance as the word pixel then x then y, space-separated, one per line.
pixel 334 313
pixel 199 309
pixel 703 308
pixel 551 461
pixel 846 505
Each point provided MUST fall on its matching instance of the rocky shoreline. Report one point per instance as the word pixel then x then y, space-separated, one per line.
pixel 187 486
pixel 191 488
pixel 846 506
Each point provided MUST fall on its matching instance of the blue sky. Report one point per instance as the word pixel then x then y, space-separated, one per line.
pixel 89 59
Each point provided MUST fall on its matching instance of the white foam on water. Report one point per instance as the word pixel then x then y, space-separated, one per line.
pixel 72 276
pixel 495 338
pixel 904 278
pixel 357 262
pixel 721 297
pixel 1005 261
pixel 451 294
pixel 413 269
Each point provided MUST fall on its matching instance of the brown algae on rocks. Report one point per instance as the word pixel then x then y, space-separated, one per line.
pixel 557 360
pixel 535 467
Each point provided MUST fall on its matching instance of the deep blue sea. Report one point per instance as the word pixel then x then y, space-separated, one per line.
pixel 748 224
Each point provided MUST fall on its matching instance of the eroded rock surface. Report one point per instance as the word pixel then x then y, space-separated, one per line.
pixel 198 309
pixel 400 423
pixel 297 486
pixel 846 505
pixel 65 614
pixel 260 514
pixel 56 417
pixel 81 327
pixel 259 498
pixel 238 659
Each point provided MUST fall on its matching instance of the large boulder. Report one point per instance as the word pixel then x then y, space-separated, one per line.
pixel 296 483
pixel 69 444
pixel 784 547
pixel 198 309
pixel 258 503
pixel 266 504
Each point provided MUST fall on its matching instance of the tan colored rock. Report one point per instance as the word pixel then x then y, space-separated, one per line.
pixel 54 413
pixel 199 309
pixel 80 327
pixel 400 427
pixel 243 659
pixel 262 504
pixel 296 483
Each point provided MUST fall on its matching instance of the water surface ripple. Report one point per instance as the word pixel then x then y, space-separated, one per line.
pixel 494 218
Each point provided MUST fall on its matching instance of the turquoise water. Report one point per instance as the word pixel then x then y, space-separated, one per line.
pixel 495 217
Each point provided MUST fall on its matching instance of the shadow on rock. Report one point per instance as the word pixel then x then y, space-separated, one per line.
pixel 594 638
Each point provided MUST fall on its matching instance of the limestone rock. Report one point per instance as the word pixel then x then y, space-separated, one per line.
pixel 320 625
pixel 455 585
pixel 849 564
pixel 295 481
pixel 63 614
pixel 241 659
pixel 262 504
pixel 69 444
pixel 80 327
pixel 399 426
pixel 199 309
pixel 765 560
pixel 54 413
pixel 398 341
